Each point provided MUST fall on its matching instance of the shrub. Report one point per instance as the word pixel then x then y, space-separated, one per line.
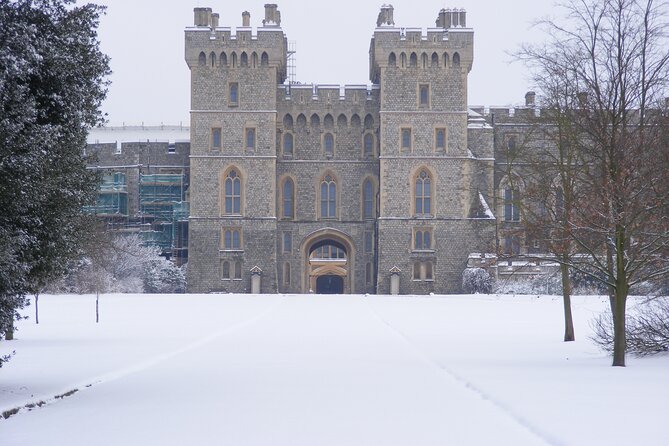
pixel 476 281
pixel 647 328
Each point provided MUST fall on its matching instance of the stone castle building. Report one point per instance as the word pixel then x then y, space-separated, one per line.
pixel 319 188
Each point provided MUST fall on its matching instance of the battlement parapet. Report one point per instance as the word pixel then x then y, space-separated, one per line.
pixel 431 37
pixel 329 93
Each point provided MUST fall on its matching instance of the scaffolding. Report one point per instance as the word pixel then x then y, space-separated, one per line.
pixel 180 232
pixel 158 194
pixel 163 211
pixel 112 198
pixel 291 61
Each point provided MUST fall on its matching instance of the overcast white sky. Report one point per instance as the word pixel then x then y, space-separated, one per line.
pixel 150 84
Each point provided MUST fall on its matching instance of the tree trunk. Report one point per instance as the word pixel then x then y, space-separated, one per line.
pixel 566 300
pixel 611 276
pixel 37 308
pixel 619 335
pixel 9 334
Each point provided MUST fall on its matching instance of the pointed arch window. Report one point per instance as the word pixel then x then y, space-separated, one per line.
pixel 423 194
pixel 233 193
pixel 367 199
pixel 440 139
pixel 288 143
pixel 234 93
pixel 328 145
pixel 288 193
pixel 328 197
pixel 435 60
pixel 368 143
pixel 405 133
pixel 250 134
pixel 424 95
pixel 202 59
pixel 511 144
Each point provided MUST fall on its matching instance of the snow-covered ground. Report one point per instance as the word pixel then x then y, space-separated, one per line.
pixel 324 370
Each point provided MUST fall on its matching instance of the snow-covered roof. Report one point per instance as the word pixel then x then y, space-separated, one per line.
pixel 164 133
pixel 486 208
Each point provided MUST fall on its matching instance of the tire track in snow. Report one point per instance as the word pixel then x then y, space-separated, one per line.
pixel 480 393
pixel 142 365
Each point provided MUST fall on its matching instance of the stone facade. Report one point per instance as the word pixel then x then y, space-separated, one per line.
pixel 321 188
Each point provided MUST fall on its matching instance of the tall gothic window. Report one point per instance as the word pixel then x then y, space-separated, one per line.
pixel 328 144
pixel 288 142
pixel 233 193
pixel 423 194
pixel 368 142
pixel 406 139
pixel 234 93
pixel 367 199
pixel 424 95
pixel 511 204
pixel 328 197
pixel 440 139
pixel 288 198
pixel 250 138
pixel 216 138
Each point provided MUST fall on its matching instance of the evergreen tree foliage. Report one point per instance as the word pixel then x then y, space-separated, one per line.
pixel 52 82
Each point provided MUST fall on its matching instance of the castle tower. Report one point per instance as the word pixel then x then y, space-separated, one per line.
pixel 431 173
pixel 233 152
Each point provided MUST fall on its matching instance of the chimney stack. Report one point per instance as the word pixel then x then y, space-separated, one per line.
pixel 202 16
pixel 530 97
pixel 452 18
pixel 246 19
pixel 386 16
pixel 214 20
pixel 272 15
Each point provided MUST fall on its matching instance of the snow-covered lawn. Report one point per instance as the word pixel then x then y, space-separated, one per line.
pixel 324 370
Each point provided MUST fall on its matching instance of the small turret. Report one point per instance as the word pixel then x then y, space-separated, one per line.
pixel 385 16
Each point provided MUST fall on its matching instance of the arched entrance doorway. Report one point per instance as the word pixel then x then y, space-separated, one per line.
pixel 328 262
pixel 329 284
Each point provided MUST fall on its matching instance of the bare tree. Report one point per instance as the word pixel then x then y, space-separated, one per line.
pixel 609 59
